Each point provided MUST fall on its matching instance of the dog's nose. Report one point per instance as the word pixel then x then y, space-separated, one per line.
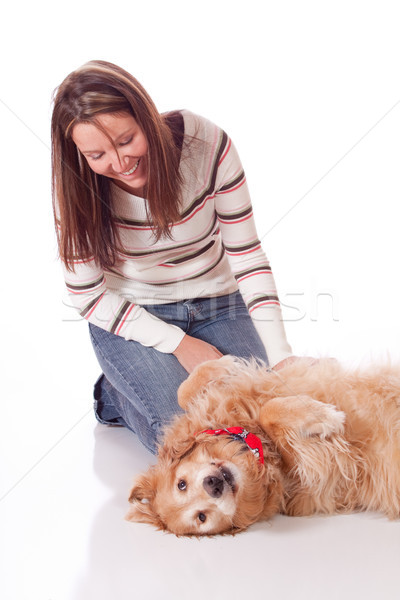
pixel 214 486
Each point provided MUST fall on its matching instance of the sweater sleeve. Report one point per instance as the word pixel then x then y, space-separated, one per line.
pixel 248 261
pixel 87 291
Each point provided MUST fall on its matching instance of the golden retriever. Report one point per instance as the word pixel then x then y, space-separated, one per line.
pixel 329 442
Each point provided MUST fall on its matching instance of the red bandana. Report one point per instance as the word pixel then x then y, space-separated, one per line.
pixel 238 433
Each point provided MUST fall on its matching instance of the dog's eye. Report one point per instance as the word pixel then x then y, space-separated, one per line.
pixel 182 485
pixel 202 517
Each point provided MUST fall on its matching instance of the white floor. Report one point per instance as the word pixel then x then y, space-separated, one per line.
pixel 65 538
pixel 309 92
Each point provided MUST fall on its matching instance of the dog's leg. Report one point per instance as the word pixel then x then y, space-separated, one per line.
pixel 316 459
pixel 300 415
pixel 210 372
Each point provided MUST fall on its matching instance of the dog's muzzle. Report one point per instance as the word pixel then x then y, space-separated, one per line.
pixel 214 486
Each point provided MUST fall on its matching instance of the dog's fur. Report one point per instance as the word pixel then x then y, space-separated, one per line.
pixel 331 442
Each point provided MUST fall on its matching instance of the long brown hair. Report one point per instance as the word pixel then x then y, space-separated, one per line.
pixel 81 198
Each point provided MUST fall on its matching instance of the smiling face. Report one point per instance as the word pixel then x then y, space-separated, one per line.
pixel 115 147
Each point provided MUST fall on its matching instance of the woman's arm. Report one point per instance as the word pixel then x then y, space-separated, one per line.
pixel 192 352
pixel 88 293
pixel 248 261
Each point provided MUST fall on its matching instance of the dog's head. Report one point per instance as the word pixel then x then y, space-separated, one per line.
pixel 204 486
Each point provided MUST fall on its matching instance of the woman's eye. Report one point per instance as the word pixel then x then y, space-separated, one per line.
pixel 96 156
pixel 126 142
pixel 202 517
pixel 182 485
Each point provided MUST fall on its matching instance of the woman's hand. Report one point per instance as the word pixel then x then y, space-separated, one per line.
pixel 192 352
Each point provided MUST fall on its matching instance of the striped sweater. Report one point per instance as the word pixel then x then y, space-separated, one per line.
pixel 213 250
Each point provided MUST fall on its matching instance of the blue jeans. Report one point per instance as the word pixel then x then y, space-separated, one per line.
pixel 138 387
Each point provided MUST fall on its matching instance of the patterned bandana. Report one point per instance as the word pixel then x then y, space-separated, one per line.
pixel 238 433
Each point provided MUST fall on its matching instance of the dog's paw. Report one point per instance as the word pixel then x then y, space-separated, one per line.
pixel 208 373
pixel 324 421
pixel 303 415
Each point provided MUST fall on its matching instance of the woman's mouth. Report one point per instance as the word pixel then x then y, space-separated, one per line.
pixel 131 171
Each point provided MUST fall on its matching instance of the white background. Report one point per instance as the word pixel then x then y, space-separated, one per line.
pixel 309 91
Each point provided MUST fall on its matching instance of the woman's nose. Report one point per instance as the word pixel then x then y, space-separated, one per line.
pixel 118 162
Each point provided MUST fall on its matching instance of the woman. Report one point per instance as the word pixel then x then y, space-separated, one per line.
pixel 156 236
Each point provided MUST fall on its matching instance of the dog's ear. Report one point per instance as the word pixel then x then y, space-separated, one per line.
pixel 174 448
pixel 142 499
